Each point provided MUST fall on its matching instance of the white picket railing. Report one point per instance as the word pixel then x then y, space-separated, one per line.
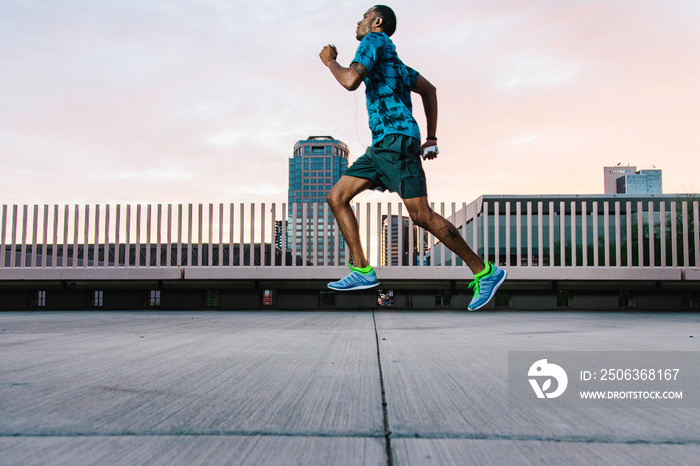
pixel 530 234
pixel 586 234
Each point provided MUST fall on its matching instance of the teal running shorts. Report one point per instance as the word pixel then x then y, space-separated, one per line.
pixel 393 164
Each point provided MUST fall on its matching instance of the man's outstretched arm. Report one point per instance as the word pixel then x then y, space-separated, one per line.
pixel 350 78
pixel 428 94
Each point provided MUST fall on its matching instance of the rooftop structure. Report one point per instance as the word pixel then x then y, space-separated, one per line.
pixel 627 180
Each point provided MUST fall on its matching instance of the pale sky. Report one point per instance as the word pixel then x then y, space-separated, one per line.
pixel 127 101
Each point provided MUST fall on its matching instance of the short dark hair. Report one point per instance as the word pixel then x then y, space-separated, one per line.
pixel 388 18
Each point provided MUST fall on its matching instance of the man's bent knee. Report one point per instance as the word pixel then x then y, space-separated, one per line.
pixel 420 217
pixel 336 198
pixel 346 189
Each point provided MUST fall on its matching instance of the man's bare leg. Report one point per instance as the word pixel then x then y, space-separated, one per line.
pixel 441 228
pixel 339 200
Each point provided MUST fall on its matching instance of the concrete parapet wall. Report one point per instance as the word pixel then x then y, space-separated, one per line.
pixel 304 288
pixel 332 273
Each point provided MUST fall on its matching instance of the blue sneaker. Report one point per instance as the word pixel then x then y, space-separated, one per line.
pixel 357 279
pixel 485 285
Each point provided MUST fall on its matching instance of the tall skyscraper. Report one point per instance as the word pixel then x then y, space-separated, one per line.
pixel 317 164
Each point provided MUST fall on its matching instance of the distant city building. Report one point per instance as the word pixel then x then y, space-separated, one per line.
pixel 392 237
pixel 612 174
pixel 627 180
pixel 280 226
pixel 317 164
pixel 643 182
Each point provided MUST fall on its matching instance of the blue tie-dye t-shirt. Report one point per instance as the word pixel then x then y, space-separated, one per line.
pixel 388 88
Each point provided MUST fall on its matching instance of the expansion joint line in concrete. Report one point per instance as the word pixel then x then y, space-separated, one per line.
pixel 251 433
pixel 387 430
pixel 547 439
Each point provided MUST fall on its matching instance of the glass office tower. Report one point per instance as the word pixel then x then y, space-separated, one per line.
pixel 317 164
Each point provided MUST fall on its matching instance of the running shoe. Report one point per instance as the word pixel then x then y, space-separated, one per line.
pixel 485 285
pixel 357 279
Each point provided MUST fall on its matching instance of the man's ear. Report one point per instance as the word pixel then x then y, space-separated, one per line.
pixel 378 22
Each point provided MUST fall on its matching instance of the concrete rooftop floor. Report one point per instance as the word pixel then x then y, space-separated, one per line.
pixel 320 388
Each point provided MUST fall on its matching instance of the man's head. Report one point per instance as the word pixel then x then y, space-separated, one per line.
pixel 379 18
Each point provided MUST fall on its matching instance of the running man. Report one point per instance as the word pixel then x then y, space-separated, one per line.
pixel 393 161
